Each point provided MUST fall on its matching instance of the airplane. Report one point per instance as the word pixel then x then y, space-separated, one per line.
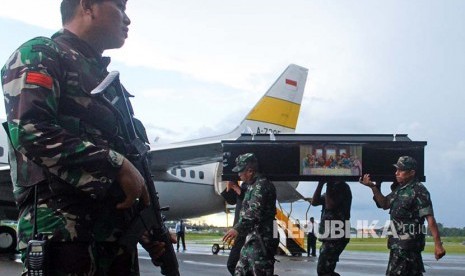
pixel 187 174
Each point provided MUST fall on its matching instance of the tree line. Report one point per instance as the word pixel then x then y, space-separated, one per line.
pixel 450 231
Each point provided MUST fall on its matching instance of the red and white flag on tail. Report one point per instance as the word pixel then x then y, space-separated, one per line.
pixel 291 84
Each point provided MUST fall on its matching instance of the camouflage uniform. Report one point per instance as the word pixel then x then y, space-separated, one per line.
pixel 66 142
pixel 256 221
pixel 409 204
pixel 332 247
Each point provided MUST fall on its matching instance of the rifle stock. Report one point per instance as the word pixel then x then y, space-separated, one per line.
pixel 148 218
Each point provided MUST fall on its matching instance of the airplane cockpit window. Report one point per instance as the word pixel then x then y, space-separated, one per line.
pixel 183 173
pixel 173 171
pixel 201 175
pixel 192 173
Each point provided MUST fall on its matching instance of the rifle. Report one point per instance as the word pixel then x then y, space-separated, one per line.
pixel 148 218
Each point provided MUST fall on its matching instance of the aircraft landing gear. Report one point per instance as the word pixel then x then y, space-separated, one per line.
pixel 7 239
pixel 216 248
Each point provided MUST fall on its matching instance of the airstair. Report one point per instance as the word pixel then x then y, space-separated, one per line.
pixel 291 235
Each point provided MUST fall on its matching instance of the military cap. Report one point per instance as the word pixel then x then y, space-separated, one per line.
pixel 406 163
pixel 242 161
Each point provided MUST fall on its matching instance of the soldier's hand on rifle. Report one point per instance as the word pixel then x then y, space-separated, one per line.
pixel 173 238
pixel 133 185
pixel 154 248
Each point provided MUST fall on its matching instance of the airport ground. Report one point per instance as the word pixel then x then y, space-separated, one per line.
pixel 198 260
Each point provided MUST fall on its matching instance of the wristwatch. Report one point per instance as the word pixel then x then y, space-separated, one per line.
pixel 115 158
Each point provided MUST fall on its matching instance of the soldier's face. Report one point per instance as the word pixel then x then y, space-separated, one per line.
pixel 246 175
pixel 404 177
pixel 110 24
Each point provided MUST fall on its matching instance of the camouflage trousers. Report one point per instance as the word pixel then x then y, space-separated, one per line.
pixel 79 258
pixel 405 262
pixel 254 260
pixel 330 251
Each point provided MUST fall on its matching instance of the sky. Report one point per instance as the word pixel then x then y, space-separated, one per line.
pixel 375 67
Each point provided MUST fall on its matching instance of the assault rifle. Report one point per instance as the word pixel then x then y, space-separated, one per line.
pixel 146 218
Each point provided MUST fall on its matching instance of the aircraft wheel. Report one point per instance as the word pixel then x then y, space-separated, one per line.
pixel 215 248
pixel 7 239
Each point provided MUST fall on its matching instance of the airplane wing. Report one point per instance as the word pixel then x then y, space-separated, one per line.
pixel 163 159
pixel 286 191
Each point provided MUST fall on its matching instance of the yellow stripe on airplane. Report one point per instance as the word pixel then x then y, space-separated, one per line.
pixel 276 111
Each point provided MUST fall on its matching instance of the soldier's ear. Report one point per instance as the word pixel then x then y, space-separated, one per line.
pixel 86 5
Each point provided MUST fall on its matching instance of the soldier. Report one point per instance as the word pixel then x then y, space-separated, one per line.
pixel 409 205
pixel 67 158
pixel 334 224
pixel 255 221
pixel 234 194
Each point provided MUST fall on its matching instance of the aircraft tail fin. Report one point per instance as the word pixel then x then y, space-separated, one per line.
pixel 278 110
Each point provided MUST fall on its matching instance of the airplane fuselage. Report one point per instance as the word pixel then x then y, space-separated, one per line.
pixel 193 194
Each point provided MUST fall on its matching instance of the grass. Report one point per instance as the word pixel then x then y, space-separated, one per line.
pixel 453 245
pixel 204 238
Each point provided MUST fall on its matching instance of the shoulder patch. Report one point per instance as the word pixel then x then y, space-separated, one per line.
pixel 39 79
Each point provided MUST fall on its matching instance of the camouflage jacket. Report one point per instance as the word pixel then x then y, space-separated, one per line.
pixel 55 125
pixel 409 204
pixel 258 208
pixel 53 120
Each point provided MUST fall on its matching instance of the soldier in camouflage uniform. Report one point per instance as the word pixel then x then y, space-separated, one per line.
pixel 67 143
pixel 255 221
pixel 334 229
pixel 409 204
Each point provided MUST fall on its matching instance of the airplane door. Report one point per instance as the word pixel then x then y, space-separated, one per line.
pixel 219 185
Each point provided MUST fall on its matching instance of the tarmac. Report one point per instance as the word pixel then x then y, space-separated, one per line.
pixel 198 260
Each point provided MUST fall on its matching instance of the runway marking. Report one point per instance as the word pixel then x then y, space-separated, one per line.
pixel 458 268
pixel 189 262
pixel 203 263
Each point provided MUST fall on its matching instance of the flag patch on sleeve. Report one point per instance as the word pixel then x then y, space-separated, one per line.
pixel 39 79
